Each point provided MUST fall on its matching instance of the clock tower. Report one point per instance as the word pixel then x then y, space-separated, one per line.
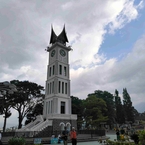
pixel 57 102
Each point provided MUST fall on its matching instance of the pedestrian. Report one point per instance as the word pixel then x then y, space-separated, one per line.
pixel 59 138
pixel 122 131
pixel 73 136
pixel 118 134
pixel 64 135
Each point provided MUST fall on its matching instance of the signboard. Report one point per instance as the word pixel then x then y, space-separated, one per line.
pixel 37 140
pixel 54 140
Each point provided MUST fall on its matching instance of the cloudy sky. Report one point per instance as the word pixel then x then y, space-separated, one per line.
pixel 107 37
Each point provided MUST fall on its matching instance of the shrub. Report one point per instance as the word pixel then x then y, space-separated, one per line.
pixel 135 137
pixel 17 141
pixel 142 136
pixel 124 140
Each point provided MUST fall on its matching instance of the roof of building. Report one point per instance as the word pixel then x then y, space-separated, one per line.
pixel 62 38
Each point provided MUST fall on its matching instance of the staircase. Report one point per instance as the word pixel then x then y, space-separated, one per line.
pixel 46 132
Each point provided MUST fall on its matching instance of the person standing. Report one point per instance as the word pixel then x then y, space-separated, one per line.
pixel 118 134
pixel 73 136
pixel 65 136
pixel 122 131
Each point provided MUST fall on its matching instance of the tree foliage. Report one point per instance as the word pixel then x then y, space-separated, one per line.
pixel 120 118
pixel 109 99
pixel 5 110
pixel 27 96
pixel 95 109
pixel 77 108
pixel 37 110
pixel 127 105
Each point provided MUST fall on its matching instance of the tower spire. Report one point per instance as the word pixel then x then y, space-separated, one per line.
pixel 62 37
pixel 53 37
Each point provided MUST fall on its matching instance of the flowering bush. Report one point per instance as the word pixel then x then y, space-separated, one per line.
pixel 124 140
pixel 138 138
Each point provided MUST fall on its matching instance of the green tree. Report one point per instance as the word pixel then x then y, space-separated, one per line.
pixel 142 114
pixel 25 99
pixel 77 108
pixel 95 109
pixel 37 110
pixel 109 99
pixel 135 112
pixel 120 118
pixel 5 110
pixel 128 108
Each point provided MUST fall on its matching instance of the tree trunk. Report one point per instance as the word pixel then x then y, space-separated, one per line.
pixel 5 121
pixel 20 121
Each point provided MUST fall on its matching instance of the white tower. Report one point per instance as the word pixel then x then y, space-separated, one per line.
pixel 57 102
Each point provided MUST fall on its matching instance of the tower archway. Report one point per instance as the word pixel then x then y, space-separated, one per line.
pixel 68 126
pixel 62 125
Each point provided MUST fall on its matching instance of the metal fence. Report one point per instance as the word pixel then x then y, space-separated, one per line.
pixel 32 134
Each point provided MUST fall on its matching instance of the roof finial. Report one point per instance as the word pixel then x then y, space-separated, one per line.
pixel 62 38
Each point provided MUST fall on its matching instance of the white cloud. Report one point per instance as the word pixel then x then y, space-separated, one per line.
pixel 126 14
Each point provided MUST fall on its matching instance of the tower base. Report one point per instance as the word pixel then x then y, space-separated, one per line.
pixel 59 124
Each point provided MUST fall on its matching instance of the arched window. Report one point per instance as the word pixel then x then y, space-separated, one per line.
pixel 68 126
pixel 62 125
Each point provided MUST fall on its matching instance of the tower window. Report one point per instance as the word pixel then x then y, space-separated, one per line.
pixel 65 88
pixel 59 87
pixel 62 87
pixel 64 70
pixel 50 71
pixel 46 107
pixel 53 87
pixel 62 108
pixel 48 88
pixel 51 106
pixel 60 69
pixel 53 71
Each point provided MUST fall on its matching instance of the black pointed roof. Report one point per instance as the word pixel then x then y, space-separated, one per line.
pixel 62 38
pixel 53 37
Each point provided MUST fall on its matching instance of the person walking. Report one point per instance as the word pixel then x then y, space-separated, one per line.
pixel 73 136
pixel 64 135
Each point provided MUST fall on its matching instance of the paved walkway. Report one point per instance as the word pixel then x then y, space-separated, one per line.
pixel 110 135
pixel 83 139
pixel 87 140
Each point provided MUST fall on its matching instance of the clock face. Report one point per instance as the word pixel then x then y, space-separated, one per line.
pixel 62 52
pixel 52 53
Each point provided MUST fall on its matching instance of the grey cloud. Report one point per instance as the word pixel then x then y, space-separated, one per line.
pixel 19 35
